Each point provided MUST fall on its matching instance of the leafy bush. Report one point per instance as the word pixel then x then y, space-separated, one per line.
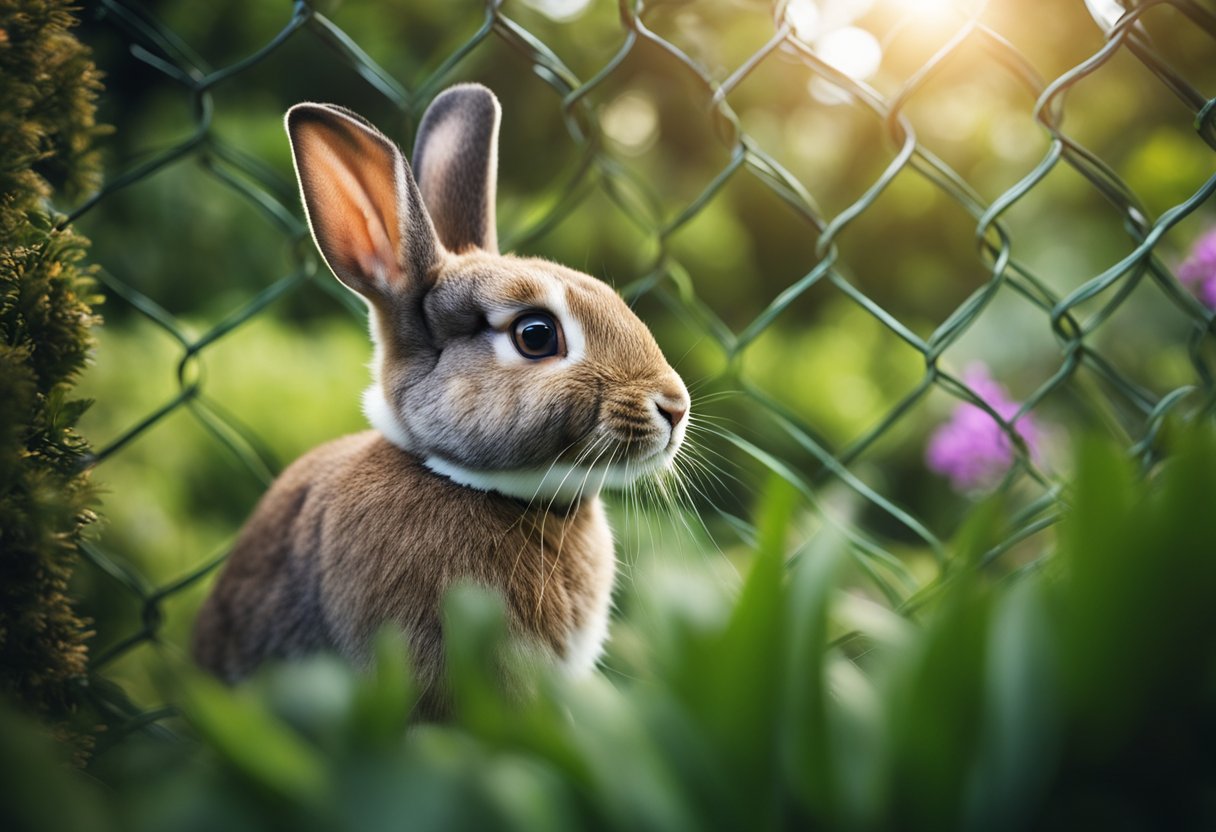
pixel 1075 693
pixel 47 104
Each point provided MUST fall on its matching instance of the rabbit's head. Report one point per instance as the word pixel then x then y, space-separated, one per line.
pixel 504 373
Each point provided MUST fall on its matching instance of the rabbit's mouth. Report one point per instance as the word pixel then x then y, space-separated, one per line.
pixel 633 444
pixel 644 428
pixel 631 471
pixel 646 451
pixel 637 459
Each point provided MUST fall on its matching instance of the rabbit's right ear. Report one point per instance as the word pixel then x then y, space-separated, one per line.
pixel 362 203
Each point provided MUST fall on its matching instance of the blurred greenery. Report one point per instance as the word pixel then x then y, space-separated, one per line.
pixel 959 702
pixel 1078 694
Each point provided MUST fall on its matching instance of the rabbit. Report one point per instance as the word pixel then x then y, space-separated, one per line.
pixel 508 391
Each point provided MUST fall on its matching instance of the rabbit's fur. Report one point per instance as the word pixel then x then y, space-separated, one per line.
pixel 486 464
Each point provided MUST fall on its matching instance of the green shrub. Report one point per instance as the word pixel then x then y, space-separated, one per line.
pixel 46 124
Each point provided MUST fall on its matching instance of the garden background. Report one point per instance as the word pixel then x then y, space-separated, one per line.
pixel 860 230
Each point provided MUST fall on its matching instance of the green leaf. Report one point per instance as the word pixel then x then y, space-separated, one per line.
pixel 384 696
pixel 735 687
pixel 244 731
pixel 806 742
pixel 1019 738
pixel 480 667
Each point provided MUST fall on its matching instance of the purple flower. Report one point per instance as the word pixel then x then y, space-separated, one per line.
pixel 971 448
pixel 1198 271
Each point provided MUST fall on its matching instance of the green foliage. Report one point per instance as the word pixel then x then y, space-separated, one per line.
pixel 1075 695
pixel 47 104
pixel 47 100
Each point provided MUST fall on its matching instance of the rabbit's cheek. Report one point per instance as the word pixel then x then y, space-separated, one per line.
pixel 385 418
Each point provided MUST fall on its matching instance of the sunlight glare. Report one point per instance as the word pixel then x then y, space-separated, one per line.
pixel 803 15
pixel 928 9
pixel 852 50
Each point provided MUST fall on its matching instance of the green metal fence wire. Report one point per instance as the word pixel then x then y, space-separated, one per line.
pixel 263 188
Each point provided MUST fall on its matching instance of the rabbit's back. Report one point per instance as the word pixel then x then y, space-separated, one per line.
pixel 359 533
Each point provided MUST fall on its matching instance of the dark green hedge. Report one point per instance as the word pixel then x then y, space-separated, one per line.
pixel 46 126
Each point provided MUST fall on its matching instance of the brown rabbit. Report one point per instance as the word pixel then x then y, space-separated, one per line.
pixel 507 392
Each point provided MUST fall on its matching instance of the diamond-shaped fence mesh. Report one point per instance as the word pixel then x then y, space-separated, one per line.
pixel 883 523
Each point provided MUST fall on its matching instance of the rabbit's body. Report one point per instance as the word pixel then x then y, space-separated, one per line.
pixel 359 533
pixel 508 391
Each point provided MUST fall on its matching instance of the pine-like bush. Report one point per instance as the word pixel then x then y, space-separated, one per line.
pixel 46 127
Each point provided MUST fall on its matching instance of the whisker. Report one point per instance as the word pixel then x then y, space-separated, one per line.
pixel 561 541
pixel 696 459
pixel 682 489
pixel 556 493
pixel 713 397
pixel 545 513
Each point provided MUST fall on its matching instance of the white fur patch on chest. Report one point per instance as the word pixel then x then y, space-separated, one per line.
pixel 585 644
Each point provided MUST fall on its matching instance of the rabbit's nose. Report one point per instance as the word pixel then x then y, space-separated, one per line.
pixel 671 400
pixel 673 415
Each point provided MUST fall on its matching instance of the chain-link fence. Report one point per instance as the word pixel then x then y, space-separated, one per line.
pixel 1073 317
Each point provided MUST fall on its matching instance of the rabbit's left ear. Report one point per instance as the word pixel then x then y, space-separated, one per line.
pixel 363 205
pixel 456 163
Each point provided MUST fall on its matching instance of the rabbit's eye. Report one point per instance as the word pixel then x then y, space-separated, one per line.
pixel 536 335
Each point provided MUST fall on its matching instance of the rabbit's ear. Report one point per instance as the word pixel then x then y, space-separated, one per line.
pixel 363 205
pixel 456 156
